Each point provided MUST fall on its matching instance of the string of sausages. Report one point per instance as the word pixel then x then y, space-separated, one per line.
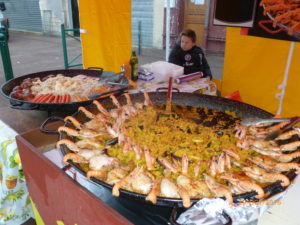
pixel 52 98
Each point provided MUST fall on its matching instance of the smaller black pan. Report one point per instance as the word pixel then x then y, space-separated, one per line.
pixel 7 88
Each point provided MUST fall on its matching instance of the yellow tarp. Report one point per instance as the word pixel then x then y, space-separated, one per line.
pixel 291 103
pixel 255 66
pixel 107 43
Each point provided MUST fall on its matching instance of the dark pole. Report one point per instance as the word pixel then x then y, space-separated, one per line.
pixel 139 37
pixel 64 45
pixel 5 57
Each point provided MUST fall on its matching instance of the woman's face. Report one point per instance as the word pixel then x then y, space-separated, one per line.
pixel 186 43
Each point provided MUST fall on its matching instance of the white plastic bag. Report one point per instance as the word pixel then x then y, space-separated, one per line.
pixel 163 70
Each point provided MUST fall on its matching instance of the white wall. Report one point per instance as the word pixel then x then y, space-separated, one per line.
pixel 158 23
pixel 59 14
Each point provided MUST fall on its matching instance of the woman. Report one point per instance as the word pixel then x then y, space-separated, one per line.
pixel 190 56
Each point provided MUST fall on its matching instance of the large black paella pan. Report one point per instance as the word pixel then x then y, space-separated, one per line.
pixel 242 110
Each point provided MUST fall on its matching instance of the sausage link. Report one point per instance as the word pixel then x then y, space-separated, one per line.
pixel 56 98
pixel 61 99
pixel 44 98
pixel 64 98
pixel 68 98
pixel 50 99
pixel 37 98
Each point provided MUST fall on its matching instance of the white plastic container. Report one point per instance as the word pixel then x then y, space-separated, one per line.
pixel 163 70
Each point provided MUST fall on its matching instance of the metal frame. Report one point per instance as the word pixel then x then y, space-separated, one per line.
pixel 6 61
pixel 64 34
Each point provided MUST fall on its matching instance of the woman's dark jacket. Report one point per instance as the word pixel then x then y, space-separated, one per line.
pixel 192 60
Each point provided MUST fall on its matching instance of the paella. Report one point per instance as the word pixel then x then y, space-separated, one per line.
pixel 188 152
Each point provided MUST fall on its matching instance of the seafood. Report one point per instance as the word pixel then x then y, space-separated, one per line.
pixel 286 13
pixel 115 175
pixel 240 131
pixel 221 164
pixel 186 201
pixel 142 182
pixel 149 159
pixel 288 134
pixel 168 165
pixel 152 196
pixel 75 158
pixel 81 145
pixel 231 153
pixel 124 181
pixel 218 189
pixel 270 164
pixel 172 156
pixel 103 162
pixel 88 154
pixel 91 143
pixel 290 146
pixel 286 157
pixel 85 133
pixel 168 189
pixel 185 165
pixel 213 166
pixel 227 161
pixel 70 144
pixel 196 188
pixel 96 173
pixel 241 184
pixel 263 147
pixel 262 176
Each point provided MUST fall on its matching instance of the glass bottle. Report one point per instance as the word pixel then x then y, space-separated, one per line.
pixel 134 64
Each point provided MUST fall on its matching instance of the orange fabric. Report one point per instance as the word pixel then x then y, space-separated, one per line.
pixel 107 41
pixel 255 66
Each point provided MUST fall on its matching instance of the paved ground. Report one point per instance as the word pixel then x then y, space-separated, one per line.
pixel 34 53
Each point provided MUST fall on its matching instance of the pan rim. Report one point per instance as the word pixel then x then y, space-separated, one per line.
pixel 275 187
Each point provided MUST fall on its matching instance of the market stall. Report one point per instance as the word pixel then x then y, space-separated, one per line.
pixel 68 193
pixel 45 187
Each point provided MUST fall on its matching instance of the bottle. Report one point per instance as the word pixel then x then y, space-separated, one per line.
pixel 123 69
pixel 126 69
pixel 134 64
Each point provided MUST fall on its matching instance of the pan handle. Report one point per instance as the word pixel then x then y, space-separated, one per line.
pixel 50 119
pixel 165 88
pixel 22 106
pixel 106 94
pixel 173 217
pixel 96 68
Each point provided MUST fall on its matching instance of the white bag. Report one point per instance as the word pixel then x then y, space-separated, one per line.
pixel 163 70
